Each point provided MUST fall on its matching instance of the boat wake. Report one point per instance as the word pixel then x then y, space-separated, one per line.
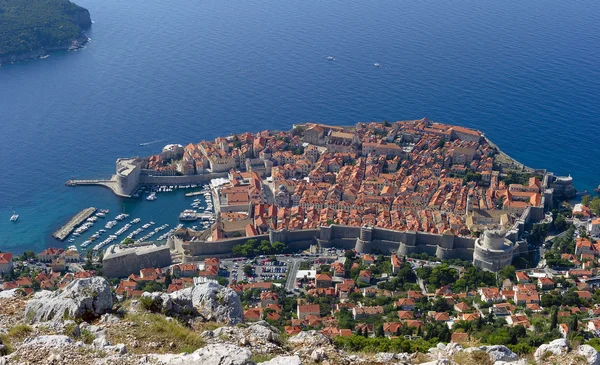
pixel 151 142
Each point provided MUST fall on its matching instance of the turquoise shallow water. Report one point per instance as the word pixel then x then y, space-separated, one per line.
pixel 523 72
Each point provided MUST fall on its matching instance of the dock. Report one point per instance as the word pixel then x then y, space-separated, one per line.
pixel 194 193
pixel 64 231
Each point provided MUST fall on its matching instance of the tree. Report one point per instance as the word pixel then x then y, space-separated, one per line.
pixel 168 280
pixel 586 200
pixel 359 331
pixel 573 323
pixel 28 255
pixel 248 270
pixel 595 205
pixel 349 254
pixel 507 272
pixel 152 286
pixel 379 331
pixel 365 332
pixel 554 319
pixel 539 232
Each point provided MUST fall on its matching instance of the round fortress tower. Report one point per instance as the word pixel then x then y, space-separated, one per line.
pixel 493 250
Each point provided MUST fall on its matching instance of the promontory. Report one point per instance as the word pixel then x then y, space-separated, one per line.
pixel 33 28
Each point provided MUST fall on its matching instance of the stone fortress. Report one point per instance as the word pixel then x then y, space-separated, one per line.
pixel 502 230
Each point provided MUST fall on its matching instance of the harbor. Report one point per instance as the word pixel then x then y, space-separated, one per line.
pixel 134 222
pixel 63 232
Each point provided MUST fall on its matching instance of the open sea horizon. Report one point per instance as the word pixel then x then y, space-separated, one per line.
pixel 524 73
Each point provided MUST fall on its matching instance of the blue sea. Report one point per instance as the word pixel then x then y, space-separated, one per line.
pixel 524 72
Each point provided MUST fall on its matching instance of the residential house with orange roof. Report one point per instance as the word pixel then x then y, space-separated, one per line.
pixel 5 262
pixel 545 283
pixel 462 307
pixel 306 310
pixel 404 315
pixel 391 328
pixel 365 276
pixel 522 277
pixel 407 304
pixel 364 312
pixel 396 263
pixel 323 280
pixel 522 298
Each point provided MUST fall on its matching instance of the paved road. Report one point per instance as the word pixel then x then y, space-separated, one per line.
pixel 293 267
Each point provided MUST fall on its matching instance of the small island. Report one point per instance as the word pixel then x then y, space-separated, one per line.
pixel 33 28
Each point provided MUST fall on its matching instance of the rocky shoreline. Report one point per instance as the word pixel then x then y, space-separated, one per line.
pixel 75 44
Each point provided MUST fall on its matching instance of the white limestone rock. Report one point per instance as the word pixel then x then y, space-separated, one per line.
pixel 283 360
pixel 119 349
pixel 82 298
pixel 109 319
pixel 100 343
pixel 210 300
pixel 309 338
pixel 48 341
pixel 319 355
pixel 500 353
pixel 557 347
pixel 12 293
pixel 217 303
pixel 518 362
pixel 440 362
pixel 222 354
pixel 442 351
pixel 591 355
pixel 386 357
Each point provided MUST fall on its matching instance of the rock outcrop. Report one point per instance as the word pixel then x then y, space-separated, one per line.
pixel 589 353
pixel 260 336
pixel 283 360
pixel 83 298
pixel 211 301
pixel 222 354
pixel 555 348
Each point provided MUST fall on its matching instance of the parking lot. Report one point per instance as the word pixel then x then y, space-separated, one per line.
pixel 263 269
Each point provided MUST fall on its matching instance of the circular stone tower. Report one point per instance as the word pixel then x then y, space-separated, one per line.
pixel 493 250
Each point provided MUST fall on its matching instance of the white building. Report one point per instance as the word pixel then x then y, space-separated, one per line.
pixel 594 227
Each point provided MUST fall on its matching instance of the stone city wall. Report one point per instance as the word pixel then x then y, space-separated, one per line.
pixel 127 263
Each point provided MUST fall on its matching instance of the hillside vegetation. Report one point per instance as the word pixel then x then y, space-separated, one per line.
pixel 29 25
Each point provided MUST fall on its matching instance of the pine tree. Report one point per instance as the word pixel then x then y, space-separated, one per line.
pixel 359 331
pixel 365 332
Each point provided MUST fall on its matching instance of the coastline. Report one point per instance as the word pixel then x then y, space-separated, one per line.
pixel 513 163
pixel 76 43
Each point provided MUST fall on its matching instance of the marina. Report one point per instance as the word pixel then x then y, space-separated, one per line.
pixel 64 231
pixel 80 232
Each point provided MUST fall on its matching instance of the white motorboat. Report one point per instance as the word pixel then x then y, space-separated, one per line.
pixel 14 217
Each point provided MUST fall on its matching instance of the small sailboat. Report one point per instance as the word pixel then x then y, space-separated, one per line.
pixel 376 64
pixel 330 58
pixel 14 217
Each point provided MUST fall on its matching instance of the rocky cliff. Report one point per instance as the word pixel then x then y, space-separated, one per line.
pixel 82 325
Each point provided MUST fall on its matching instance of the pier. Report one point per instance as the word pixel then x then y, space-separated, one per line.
pixel 112 184
pixel 195 193
pixel 64 231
